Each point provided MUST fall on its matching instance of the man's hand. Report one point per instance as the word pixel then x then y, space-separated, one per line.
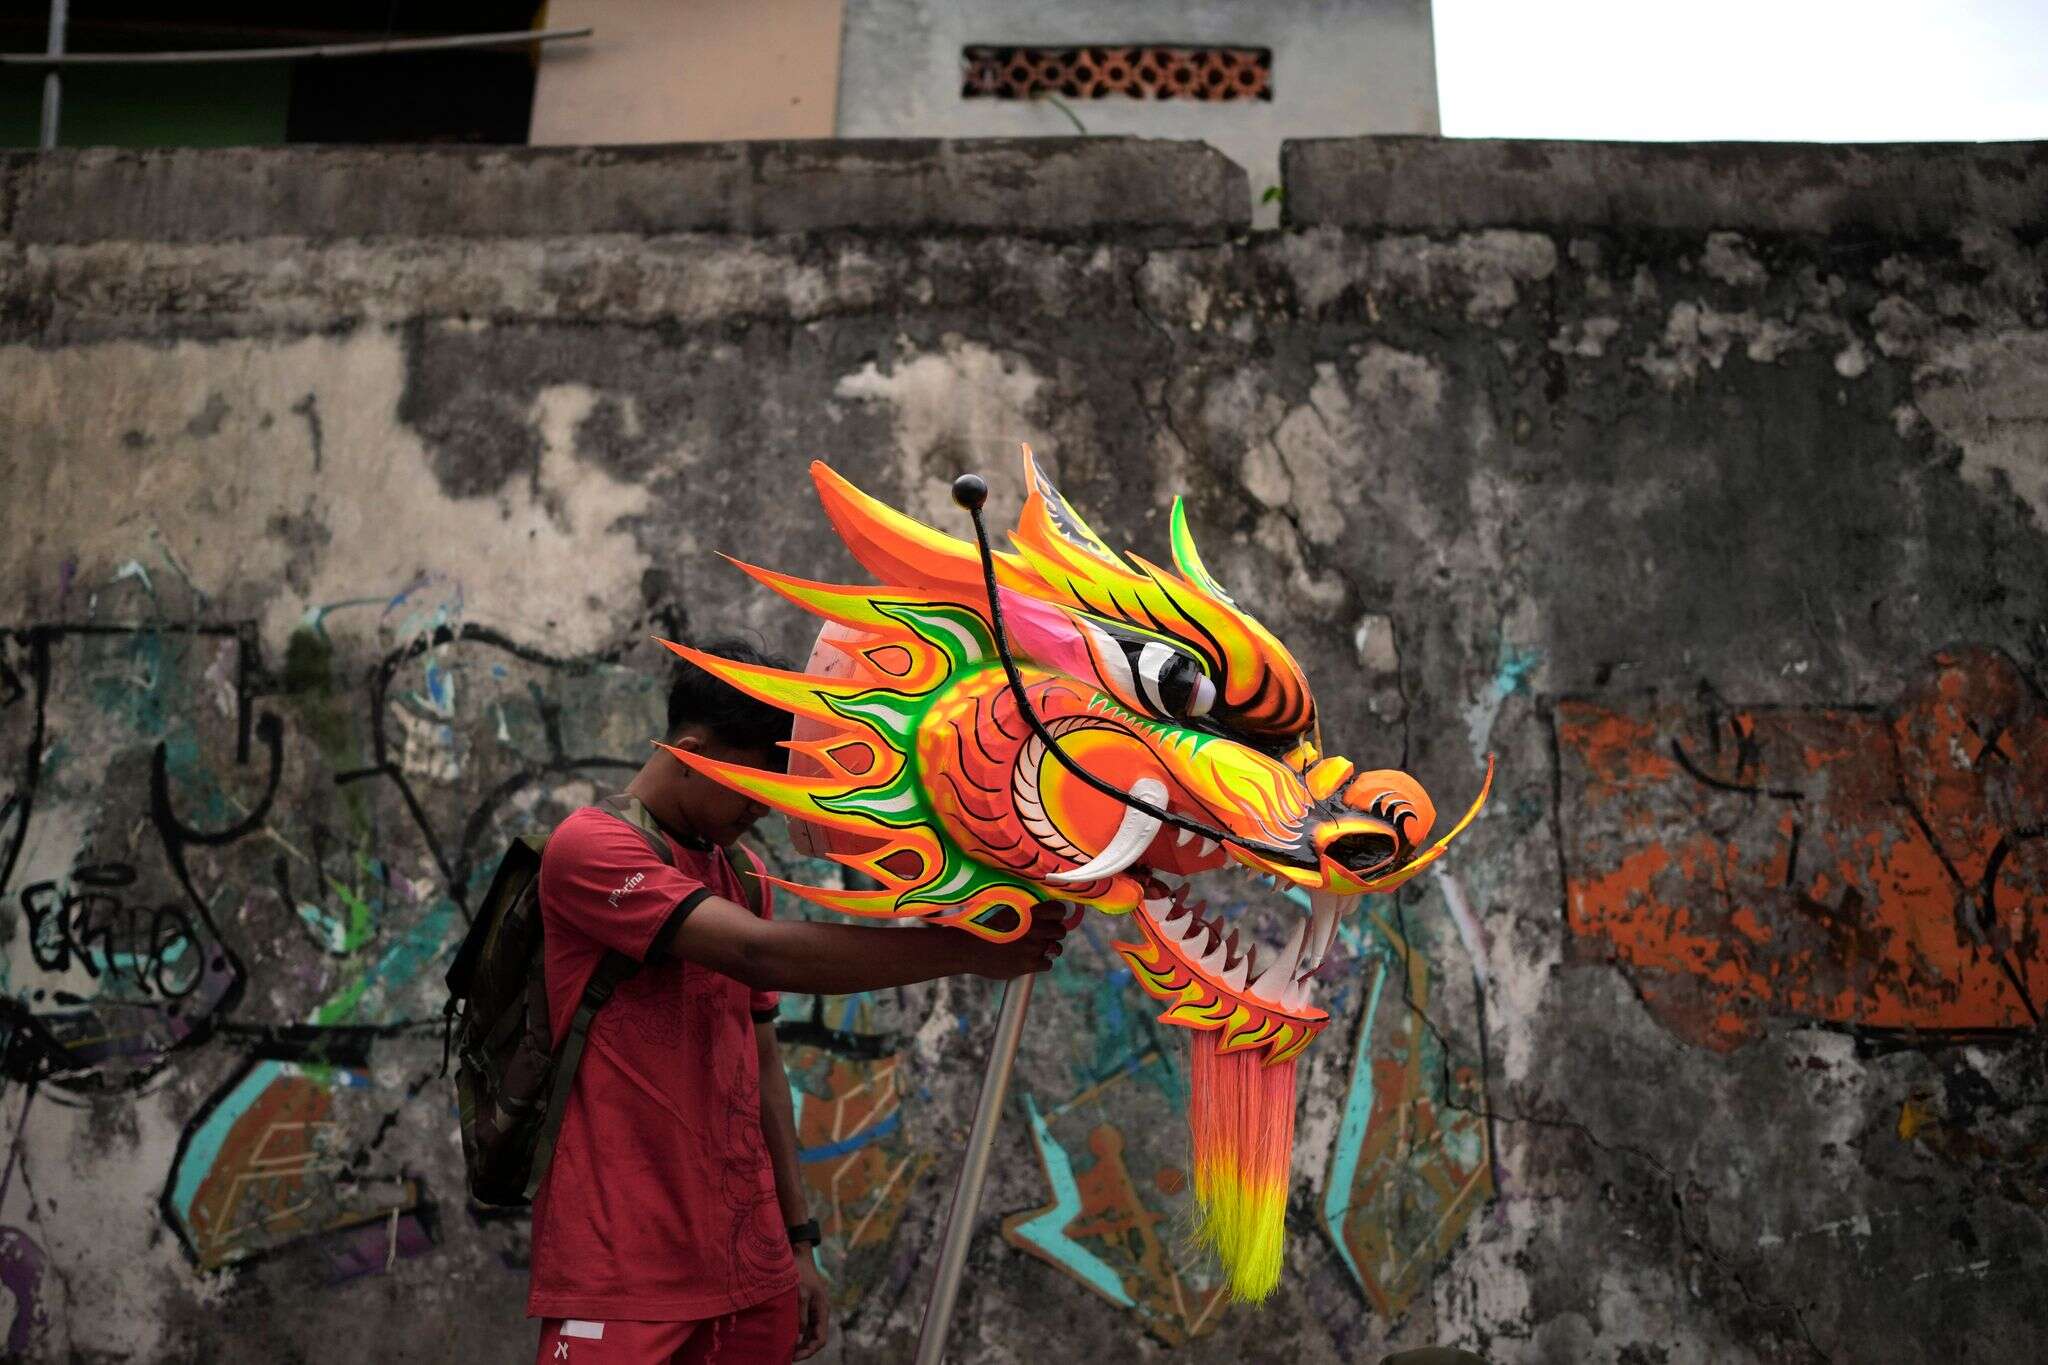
pixel 813 1306
pixel 1032 951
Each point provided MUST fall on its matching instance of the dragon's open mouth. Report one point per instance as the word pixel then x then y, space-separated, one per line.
pixel 1212 976
pixel 1280 982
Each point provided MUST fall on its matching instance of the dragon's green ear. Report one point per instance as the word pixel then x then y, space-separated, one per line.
pixel 1188 559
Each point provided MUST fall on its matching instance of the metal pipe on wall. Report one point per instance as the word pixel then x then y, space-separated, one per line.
pixel 57 57
pixel 53 84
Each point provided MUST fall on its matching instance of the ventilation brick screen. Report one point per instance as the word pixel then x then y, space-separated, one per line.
pixel 1093 73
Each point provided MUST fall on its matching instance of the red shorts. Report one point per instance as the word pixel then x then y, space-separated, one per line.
pixel 762 1335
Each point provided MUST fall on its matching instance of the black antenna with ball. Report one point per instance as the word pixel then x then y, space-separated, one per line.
pixel 971 492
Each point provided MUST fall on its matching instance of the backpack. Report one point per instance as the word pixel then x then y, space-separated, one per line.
pixel 512 1080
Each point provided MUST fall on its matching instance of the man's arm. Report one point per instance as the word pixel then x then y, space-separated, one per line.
pixel 842 959
pixel 778 1129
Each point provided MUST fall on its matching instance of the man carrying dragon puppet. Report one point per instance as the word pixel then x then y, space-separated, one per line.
pixel 983 731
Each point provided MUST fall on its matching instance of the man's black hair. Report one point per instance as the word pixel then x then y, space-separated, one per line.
pixel 731 716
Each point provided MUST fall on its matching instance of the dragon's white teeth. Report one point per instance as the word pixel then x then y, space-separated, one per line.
pixel 1205 847
pixel 1298 994
pixel 1129 843
pixel 1324 909
pixel 1236 966
pixel 1214 960
pixel 1155 905
pixel 1234 978
pixel 1181 837
pixel 1273 982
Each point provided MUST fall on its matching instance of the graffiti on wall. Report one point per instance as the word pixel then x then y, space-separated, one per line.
pixel 1409 1167
pixel 1879 868
pixel 846 1059
pixel 202 852
pixel 199 851
pixel 1115 1203
pixel 1412 1160
pixel 116 960
pixel 264 863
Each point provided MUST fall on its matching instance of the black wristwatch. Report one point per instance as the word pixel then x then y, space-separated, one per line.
pixel 806 1231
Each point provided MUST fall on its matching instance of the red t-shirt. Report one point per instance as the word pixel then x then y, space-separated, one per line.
pixel 659 1203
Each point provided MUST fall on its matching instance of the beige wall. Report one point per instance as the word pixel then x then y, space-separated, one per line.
pixel 689 71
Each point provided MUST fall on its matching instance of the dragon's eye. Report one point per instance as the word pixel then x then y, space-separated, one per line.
pixel 1172 682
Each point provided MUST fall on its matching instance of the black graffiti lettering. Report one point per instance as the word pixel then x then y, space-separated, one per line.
pixel 43 905
pixel 178 957
pixel 154 950
pixel 91 923
pixel 134 968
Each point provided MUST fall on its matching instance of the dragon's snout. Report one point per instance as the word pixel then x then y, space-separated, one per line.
pixel 1363 852
pixel 1360 825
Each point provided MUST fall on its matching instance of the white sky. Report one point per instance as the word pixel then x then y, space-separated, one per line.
pixel 1783 70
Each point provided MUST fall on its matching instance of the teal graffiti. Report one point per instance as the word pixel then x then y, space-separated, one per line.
pixel 1516 667
pixel 1047 1231
pixel 404 960
pixel 1351 1130
pixel 136 678
pixel 1122 1038
pixel 343 935
pixel 203 1150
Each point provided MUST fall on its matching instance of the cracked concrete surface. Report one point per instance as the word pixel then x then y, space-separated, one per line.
pixel 1572 481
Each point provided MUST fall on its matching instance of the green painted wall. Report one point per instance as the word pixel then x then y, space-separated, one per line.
pixel 196 106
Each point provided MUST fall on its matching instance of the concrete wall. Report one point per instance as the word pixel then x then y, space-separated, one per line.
pixel 1706 487
pixel 1340 68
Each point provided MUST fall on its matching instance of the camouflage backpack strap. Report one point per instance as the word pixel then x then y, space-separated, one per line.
pixel 746 866
pixel 611 969
pixel 629 809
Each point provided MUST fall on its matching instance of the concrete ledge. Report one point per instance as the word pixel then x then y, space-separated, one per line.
pixel 1138 190
pixel 1431 184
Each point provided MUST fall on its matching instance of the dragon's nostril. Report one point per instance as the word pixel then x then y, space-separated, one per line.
pixel 1361 852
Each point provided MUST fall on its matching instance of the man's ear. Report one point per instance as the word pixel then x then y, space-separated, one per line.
pixel 688 739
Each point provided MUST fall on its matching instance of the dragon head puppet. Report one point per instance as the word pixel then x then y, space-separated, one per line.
pixel 987 730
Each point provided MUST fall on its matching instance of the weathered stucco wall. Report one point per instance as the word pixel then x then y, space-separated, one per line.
pixel 1361 66
pixel 342 492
